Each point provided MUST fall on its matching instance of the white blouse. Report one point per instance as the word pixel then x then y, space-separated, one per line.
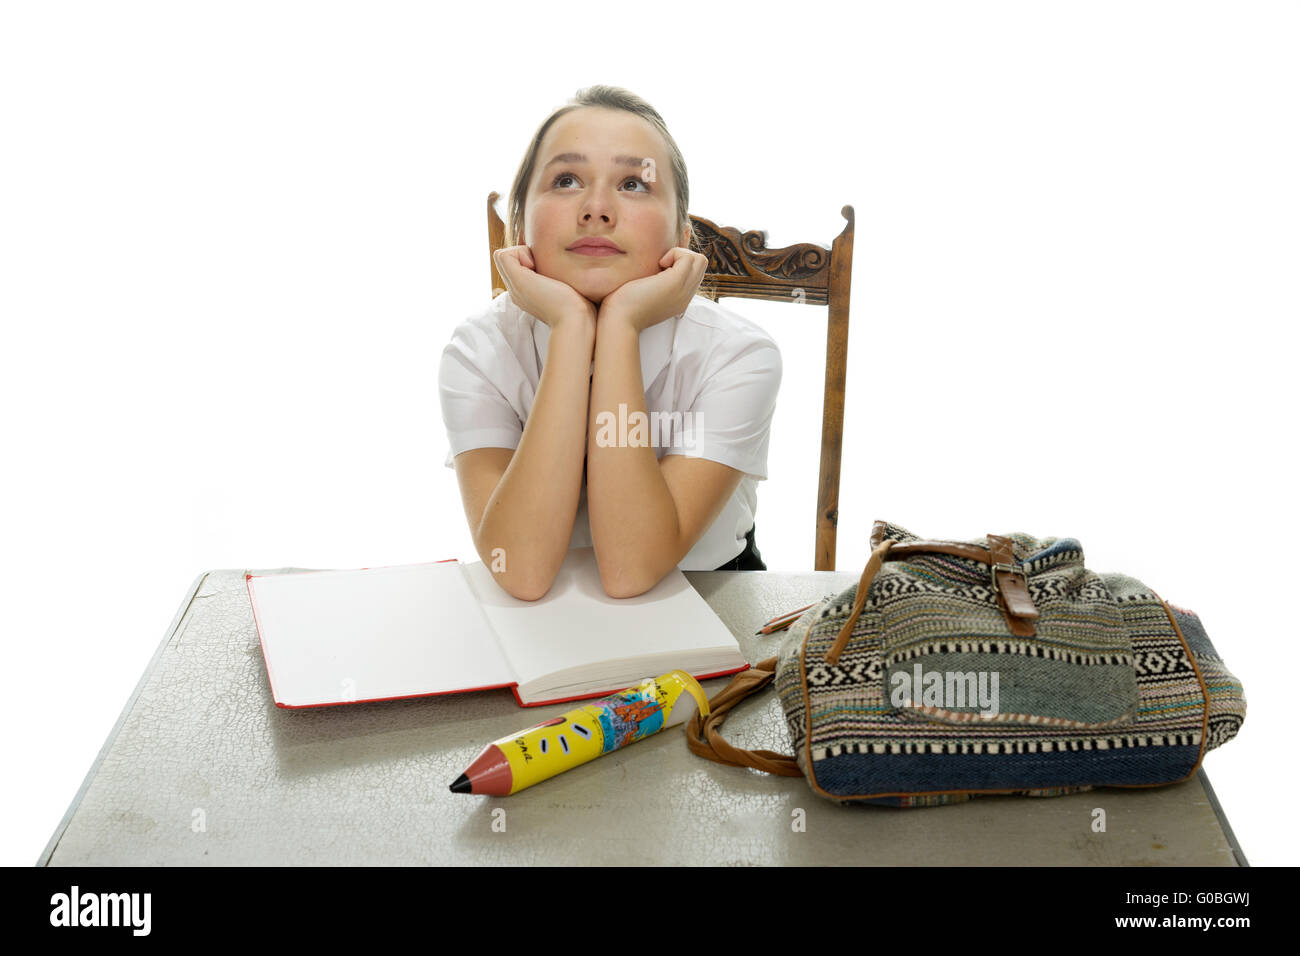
pixel 711 380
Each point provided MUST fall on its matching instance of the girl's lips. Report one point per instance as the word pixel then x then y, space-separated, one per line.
pixel 595 251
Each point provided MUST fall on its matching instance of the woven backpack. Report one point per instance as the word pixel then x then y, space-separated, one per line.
pixel 954 669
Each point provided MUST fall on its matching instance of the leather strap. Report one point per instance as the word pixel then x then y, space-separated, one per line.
pixel 864 585
pixel 906 549
pixel 707 741
pixel 1012 590
pixel 1005 577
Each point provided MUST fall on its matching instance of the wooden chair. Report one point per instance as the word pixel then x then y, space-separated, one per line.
pixel 741 265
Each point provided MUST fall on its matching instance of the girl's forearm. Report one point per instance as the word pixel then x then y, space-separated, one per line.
pixel 634 527
pixel 531 513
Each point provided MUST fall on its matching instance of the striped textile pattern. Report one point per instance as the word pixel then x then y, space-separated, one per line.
pixel 1104 694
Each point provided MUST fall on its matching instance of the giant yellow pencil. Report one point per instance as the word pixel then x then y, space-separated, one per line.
pixel 520 760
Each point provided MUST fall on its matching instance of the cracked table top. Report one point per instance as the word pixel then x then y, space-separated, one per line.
pixel 203 768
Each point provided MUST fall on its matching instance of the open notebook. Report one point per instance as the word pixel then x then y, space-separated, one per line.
pixel 338 637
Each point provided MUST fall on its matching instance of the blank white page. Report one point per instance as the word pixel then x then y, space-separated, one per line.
pixel 576 624
pixel 343 636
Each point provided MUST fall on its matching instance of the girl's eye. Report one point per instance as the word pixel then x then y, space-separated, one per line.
pixel 631 179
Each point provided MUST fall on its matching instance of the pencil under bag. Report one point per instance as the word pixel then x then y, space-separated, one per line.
pixel 955 669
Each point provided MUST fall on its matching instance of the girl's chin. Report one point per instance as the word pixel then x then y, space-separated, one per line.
pixel 595 292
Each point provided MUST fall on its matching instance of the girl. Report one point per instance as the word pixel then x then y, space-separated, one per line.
pixel 652 458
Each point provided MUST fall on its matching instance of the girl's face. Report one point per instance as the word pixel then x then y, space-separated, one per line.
pixel 591 181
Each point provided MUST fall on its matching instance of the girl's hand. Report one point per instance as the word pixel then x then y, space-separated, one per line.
pixel 652 299
pixel 550 300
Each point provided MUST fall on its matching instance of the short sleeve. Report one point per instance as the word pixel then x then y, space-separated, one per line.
pixel 731 420
pixel 474 376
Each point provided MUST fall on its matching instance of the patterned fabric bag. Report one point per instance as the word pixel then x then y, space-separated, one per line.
pixel 960 668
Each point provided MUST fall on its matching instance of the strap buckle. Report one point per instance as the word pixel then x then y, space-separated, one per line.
pixel 1010 568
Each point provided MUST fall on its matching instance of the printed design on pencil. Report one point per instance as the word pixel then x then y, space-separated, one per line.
pixel 627 717
pixel 553 722
pixel 560 738
pixel 543 744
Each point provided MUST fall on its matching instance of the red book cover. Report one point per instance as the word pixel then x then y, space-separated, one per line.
pixel 401 631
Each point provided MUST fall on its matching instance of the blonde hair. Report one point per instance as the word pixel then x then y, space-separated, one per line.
pixel 615 98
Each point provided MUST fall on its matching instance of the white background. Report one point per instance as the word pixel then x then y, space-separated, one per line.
pixel 235 237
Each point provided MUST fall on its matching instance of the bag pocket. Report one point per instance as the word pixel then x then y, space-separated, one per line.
pixel 949 656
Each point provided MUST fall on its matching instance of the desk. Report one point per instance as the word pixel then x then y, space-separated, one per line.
pixel 203 768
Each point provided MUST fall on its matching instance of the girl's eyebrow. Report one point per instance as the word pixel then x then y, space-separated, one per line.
pixel 636 161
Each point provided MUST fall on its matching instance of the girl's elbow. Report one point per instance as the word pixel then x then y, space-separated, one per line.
pixel 526 589
pixel 624 583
